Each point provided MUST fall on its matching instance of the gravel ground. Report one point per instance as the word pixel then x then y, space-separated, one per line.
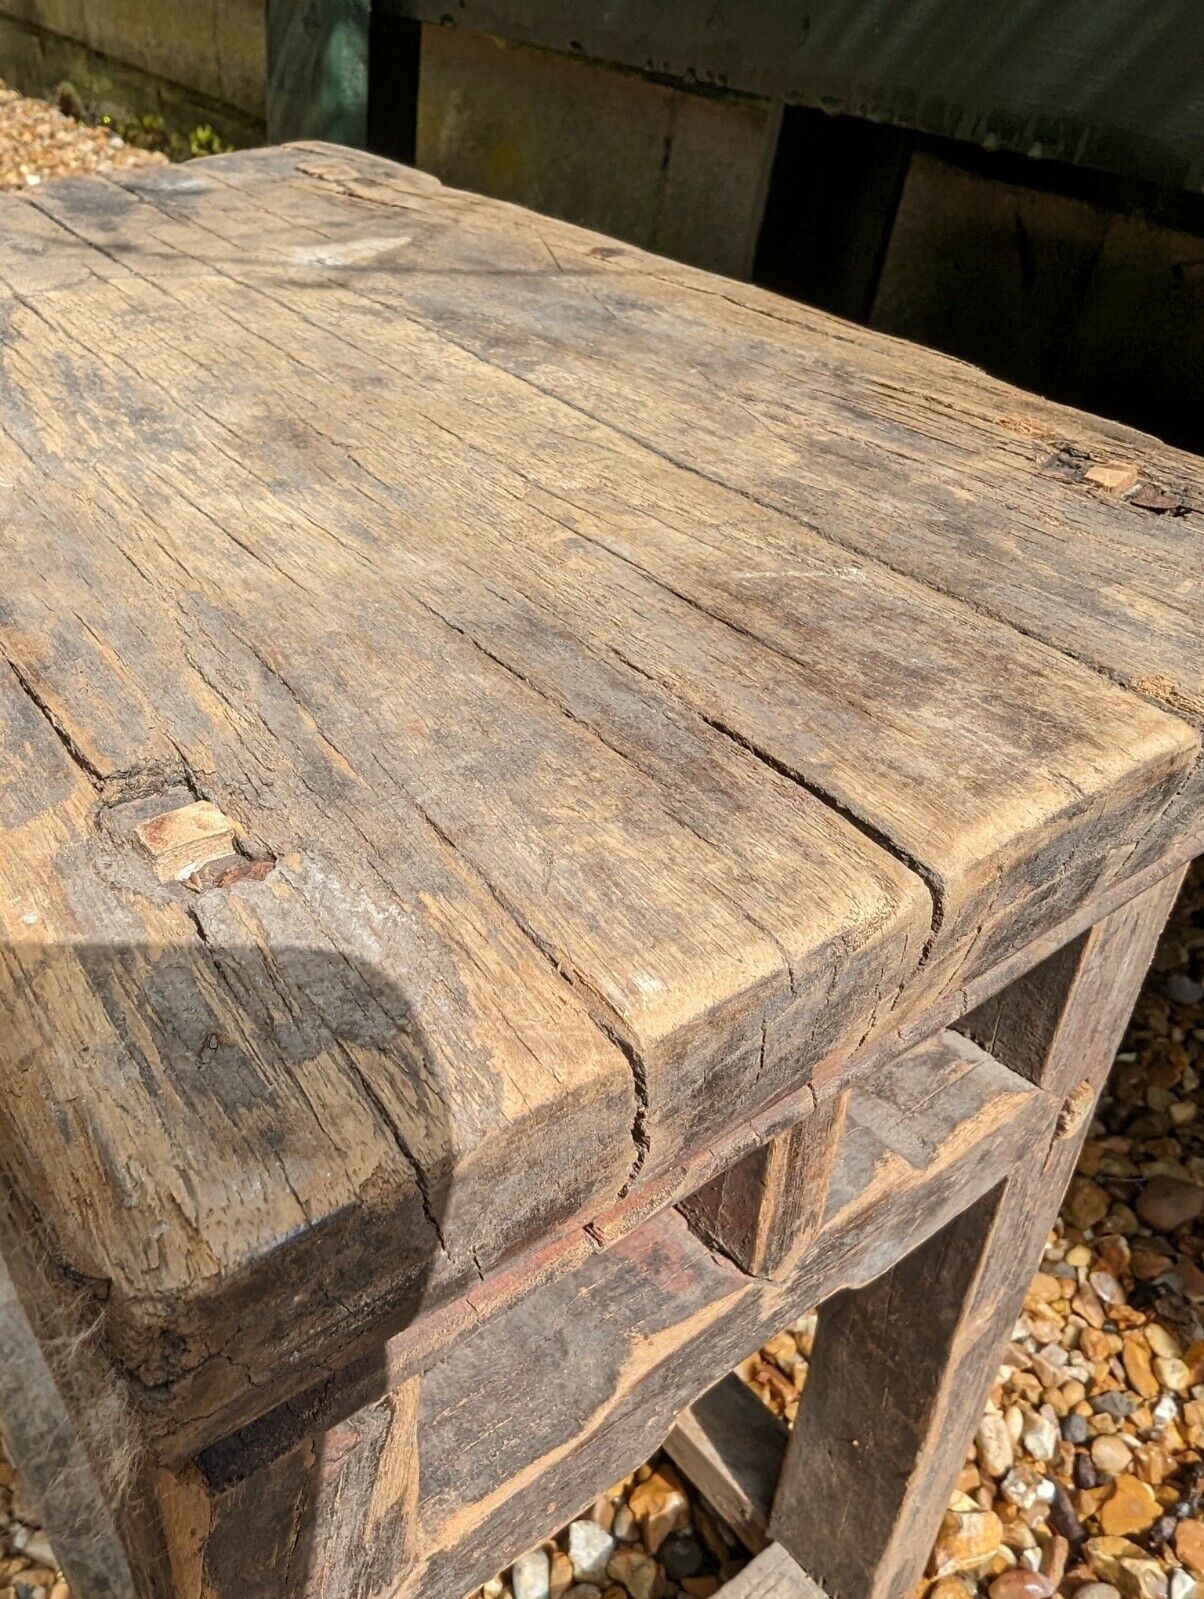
pixel 38 141
pixel 1087 1475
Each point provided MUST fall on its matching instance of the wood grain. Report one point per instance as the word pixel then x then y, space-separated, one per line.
pixel 616 1349
pixel 764 1211
pixel 583 796
pixel 433 983
pixel 658 1318
pixel 337 1514
pixel 950 477
pixel 719 617
pixel 729 1445
pixel 772 1575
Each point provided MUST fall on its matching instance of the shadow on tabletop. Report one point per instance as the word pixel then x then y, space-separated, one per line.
pixel 275 1112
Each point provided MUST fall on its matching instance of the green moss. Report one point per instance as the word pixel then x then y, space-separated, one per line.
pixel 150 131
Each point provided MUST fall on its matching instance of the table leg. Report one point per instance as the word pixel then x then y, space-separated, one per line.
pixel 901 1367
pixel 336 1514
pixel 72 1470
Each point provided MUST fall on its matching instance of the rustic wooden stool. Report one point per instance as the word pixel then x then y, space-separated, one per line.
pixel 558 811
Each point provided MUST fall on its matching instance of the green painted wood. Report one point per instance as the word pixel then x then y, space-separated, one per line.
pixel 1115 85
pixel 317 70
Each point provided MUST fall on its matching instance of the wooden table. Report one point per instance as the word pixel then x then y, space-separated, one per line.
pixel 558 810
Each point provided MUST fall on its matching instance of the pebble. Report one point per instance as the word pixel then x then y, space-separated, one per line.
pixel 1097 1590
pixel 1075 1429
pixel 1111 1454
pixel 1138 1369
pixel 1191 1276
pixel 560 1577
pixel 1053 1560
pixel 1086 1203
pixel 1114 1403
pixel 1165 1411
pixel 626 1528
pixel 1166 1203
pixel 1062 1517
pixel 1107 1288
pixel 1161 1532
pixel 590 1550
pixel 967 1538
pixel 1088 1305
pixel 1106 1554
pixel 1044 1285
pixel 1132 1506
pixel 583 1590
pixel 1172 1373
pixel 1189 1544
pixel 1040 1437
pixel 530 1576
pixel 1020 1583
pixel 993 1442
pixel 1181 1585
pixel 638 1573
pixel 1184 990
pixel 602 1512
pixel 660 1506
pixel 1148 1262
pixel 681 1556
pixel 1161 1342
pixel 1142 1579
pixel 948 1588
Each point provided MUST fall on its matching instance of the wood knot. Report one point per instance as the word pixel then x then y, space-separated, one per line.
pixel 1075 1110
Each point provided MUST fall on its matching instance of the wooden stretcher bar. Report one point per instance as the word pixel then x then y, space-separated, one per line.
pixel 619 1346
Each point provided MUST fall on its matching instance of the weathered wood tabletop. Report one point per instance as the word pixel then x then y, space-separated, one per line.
pixel 613 694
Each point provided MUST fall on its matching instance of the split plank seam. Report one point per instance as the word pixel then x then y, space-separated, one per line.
pixel 929 878
pixel 876 834
pixel 603 1015
pixel 640 264
pixel 463 852
pixel 872 555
